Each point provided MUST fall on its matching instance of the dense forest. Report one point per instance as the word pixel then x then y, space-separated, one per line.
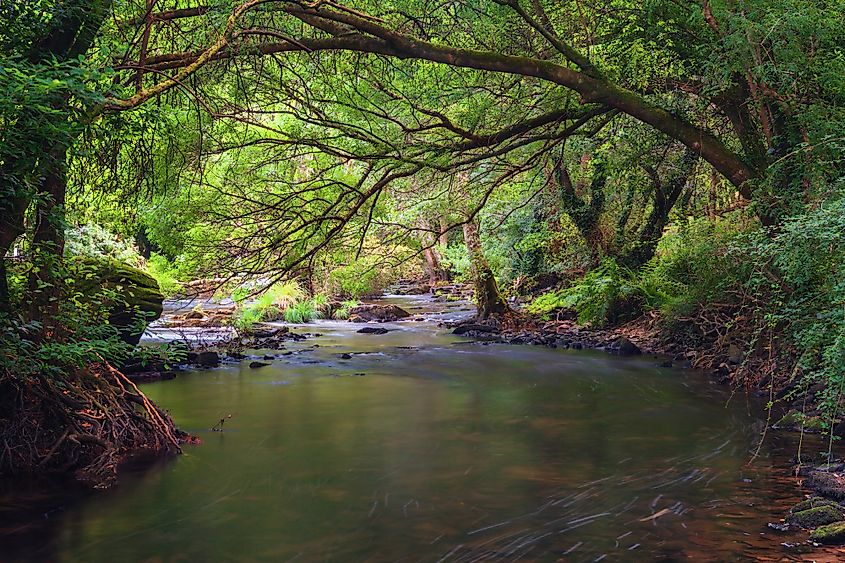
pixel 670 166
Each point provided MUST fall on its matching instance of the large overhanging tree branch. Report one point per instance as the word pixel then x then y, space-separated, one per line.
pixel 346 29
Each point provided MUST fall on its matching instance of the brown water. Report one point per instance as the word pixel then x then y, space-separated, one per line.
pixel 443 451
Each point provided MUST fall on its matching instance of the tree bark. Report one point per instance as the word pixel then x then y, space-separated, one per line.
pixel 584 214
pixel 665 196
pixel 48 241
pixel 489 300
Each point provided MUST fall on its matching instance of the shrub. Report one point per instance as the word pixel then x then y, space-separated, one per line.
pixel 164 273
pixel 302 312
pixel 97 242
pixel 342 313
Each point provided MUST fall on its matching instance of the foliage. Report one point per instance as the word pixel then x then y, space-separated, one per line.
pixel 164 273
pixel 302 312
pixel 360 278
pixel 285 301
pixel 97 242
pixel 342 313
pixel 605 294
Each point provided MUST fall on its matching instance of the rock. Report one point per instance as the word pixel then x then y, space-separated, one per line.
pixel 207 359
pixel 666 364
pixel 269 357
pixel 831 533
pixel 832 467
pixel 140 300
pixel 372 330
pixel 346 356
pixel 813 502
pixel 194 315
pixel 625 347
pixel 828 484
pixel 463 329
pixel 149 376
pixel 268 331
pixel 815 517
pixel 379 313
pixel 256 365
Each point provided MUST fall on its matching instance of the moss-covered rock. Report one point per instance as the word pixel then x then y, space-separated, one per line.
pixel 797 420
pixel 137 298
pixel 831 533
pixel 814 502
pixel 815 517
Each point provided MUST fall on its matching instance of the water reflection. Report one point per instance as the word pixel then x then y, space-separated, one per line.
pixel 442 451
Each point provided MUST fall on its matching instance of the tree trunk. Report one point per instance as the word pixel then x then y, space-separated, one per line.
pixel 487 297
pixel 433 264
pixel 48 241
pixel 665 197
pixel 444 232
pixel 11 227
pixel 584 214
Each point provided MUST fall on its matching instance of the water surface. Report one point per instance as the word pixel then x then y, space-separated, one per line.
pixel 425 447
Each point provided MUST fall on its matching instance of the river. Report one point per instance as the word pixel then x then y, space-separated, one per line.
pixel 424 446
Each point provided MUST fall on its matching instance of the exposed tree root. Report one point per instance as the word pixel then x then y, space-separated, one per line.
pixel 88 422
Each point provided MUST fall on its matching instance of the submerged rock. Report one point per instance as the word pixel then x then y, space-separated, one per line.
pixel 475 328
pixel 815 517
pixel 256 365
pixel 831 533
pixel 373 330
pixel 378 313
pixel 625 347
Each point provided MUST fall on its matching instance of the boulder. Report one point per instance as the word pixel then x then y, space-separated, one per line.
pixel 734 354
pixel 827 483
pixel 378 313
pixel 205 359
pixel 256 365
pixel 815 517
pixel 625 347
pixel 831 533
pixel 139 299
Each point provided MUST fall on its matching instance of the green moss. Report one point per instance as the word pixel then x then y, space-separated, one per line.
pixel 831 533
pixel 797 419
pixel 815 517
pixel 135 292
pixel 813 502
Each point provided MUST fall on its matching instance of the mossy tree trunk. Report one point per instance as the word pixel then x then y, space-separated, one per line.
pixel 487 296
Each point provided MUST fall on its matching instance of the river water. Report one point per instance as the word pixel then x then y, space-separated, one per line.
pixel 426 447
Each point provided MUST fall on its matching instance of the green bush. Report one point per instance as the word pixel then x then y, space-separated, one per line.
pixel 360 278
pixel 97 242
pixel 342 313
pixel 164 273
pixel 301 312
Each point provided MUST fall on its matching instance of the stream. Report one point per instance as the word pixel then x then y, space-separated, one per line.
pixel 425 446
